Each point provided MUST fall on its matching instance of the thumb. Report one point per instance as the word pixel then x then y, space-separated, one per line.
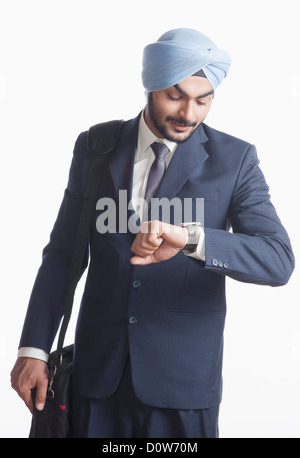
pixel 140 261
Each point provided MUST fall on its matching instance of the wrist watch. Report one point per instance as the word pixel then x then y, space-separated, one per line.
pixel 194 234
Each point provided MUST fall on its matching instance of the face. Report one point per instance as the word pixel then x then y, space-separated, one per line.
pixel 176 112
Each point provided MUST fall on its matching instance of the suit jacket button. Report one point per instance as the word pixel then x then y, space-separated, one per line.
pixel 221 264
pixel 215 262
pixel 133 320
pixel 226 265
pixel 136 283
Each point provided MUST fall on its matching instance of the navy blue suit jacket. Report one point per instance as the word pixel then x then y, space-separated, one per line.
pixel 169 317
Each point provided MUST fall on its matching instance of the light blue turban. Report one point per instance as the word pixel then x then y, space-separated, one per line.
pixel 181 53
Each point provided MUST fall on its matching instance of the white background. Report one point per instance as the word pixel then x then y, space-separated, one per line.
pixel 68 64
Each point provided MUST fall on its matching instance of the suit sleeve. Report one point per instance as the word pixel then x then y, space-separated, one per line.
pixel 46 305
pixel 258 249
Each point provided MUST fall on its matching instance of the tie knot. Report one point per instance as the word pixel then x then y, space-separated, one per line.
pixel 160 150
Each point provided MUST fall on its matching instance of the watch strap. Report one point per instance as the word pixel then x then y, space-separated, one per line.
pixel 193 237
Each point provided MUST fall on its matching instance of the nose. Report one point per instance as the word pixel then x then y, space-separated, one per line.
pixel 187 110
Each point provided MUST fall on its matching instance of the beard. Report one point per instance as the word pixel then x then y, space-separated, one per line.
pixel 162 127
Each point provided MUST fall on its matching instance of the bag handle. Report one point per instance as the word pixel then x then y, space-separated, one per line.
pixel 102 139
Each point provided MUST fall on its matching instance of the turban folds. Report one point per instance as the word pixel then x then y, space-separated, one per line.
pixel 180 53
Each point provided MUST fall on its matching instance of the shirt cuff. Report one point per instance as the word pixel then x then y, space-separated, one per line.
pixel 32 352
pixel 200 250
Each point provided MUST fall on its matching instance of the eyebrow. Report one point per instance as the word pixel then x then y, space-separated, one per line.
pixel 202 96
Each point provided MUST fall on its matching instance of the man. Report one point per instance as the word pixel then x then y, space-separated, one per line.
pixel 149 336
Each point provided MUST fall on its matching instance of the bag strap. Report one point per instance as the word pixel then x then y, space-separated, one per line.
pixel 102 139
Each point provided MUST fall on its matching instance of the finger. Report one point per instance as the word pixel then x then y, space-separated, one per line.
pixel 144 246
pixel 41 393
pixel 143 261
pixel 27 398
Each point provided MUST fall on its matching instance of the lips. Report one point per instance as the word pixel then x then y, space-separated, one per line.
pixel 180 127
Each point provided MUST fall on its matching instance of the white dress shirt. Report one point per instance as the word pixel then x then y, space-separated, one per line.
pixel 144 158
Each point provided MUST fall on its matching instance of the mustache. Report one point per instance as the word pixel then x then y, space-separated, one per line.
pixel 181 122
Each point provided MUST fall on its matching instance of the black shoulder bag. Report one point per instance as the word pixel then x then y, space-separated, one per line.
pixel 54 421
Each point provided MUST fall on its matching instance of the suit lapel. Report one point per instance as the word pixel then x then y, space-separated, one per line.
pixel 122 161
pixel 187 158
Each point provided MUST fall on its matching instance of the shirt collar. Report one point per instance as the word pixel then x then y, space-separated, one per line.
pixel 146 137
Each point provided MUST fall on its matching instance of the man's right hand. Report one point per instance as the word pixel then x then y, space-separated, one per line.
pixel 29 373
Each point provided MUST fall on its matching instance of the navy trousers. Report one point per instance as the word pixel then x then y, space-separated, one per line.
pixel 122 415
